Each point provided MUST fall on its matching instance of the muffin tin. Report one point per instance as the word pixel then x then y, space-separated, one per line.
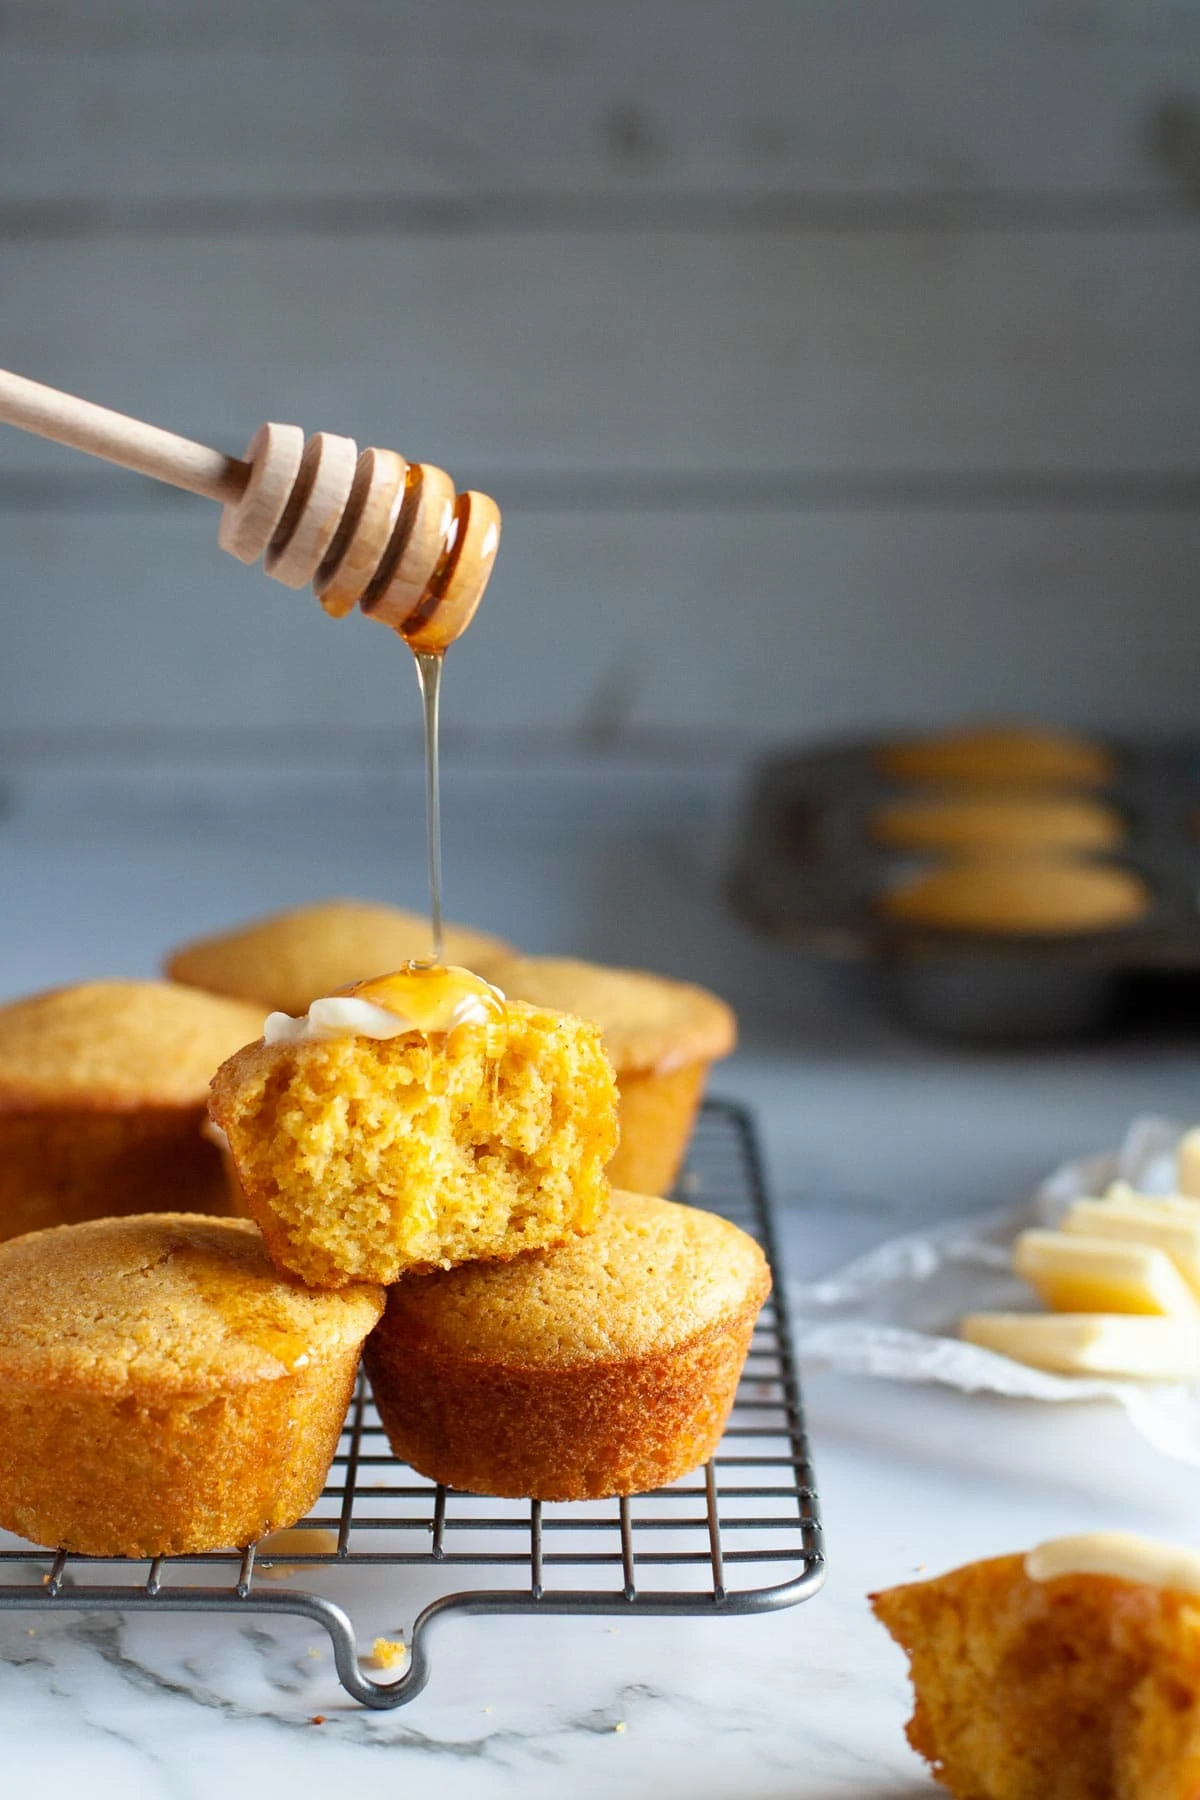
pixel 808 873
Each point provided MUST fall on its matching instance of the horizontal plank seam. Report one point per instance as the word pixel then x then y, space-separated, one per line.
pixel 659 491
pixel 493 214
pixel 361 749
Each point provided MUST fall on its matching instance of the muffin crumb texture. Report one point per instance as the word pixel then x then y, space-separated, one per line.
pixel 1081 1688
pixel 662 1035
pixel 362 1159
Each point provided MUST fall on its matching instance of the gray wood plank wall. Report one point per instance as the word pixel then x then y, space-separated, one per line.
pixel 835 363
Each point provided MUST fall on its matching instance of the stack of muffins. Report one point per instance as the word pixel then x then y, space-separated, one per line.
pixel 434 1183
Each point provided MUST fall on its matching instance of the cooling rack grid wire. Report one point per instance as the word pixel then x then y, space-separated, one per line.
pixel 742 1535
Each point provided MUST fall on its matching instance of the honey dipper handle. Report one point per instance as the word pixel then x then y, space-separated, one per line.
pixel 68 420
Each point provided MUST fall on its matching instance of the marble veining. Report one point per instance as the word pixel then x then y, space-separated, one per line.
pixel 805 1704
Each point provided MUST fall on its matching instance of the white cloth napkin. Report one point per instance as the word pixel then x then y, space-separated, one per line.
pixel 894 1312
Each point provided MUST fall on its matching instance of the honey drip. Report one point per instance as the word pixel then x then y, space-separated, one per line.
pixel 440 1002
pixel 431 997
pixel 429 679
pixel 249 1314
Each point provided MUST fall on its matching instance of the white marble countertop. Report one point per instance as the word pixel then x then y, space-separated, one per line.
pixel 807 1704
pixel 867 1132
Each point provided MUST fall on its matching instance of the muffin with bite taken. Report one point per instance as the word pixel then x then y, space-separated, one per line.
pixel 416 1122
pixel 1067 1674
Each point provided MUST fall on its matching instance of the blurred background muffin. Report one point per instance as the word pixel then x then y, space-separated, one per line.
pixel 290 959
pixel 1034 895
pixel 103 1094
pixel 661 1036
pixel 1006 756
pixel 980 822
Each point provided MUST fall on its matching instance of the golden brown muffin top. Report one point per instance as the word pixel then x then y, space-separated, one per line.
pixel 650 1278
pixel 118 1044
pixel 1009 755
pixel 170 1302
pixel 648 1022
pixel 290 959
pixel 1019 897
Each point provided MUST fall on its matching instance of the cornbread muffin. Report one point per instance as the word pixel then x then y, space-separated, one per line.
pixel 103 1091
pixel 1012 756
pixel 603 1367
pixel 662 1037
pixel 362 1158
pixel 1020 897
pixel 990 824
pixel 1076 1688
pixel 287 961
pixel 162 1389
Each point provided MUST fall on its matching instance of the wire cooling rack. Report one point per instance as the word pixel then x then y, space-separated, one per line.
pixel 742 1535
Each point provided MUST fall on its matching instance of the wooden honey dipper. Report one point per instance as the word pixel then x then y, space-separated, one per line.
pixel 370 530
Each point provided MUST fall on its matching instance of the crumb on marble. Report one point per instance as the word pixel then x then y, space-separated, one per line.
pixel 488 1709
pixel 314 1652
pixel 30 1632
pixel 317 1719
pixel 619 1726
pixel 388 1653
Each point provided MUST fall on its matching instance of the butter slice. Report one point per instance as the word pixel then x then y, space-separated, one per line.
pixel 1122 1554
pixel 1101 1275
pixel 1178 1205
pixel 1187 1162
pixel 1141 1220
pixel 1121 1345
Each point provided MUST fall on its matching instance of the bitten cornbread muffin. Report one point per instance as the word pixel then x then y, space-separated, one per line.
pixel 418 1122
pixel 662 1037
pixel 1012 756
pixel 1022 897
pixel 603 1367
pixel 103 1090
pixel 1069 1674
pixel 287 961
pixel 162 1389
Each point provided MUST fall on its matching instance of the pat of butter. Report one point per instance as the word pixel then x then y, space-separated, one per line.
pixel 1187 1162
pixel 1177 1205
pixel 416 998
pixel 1140 1220
pixel 1119 1553
pixel 339 1015
pixel 1121 1345
pixel 1101 1275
